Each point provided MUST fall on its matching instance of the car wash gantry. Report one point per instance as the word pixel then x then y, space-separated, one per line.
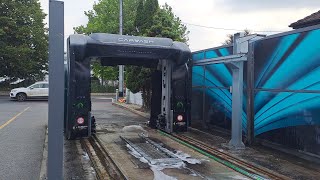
pixel 170 102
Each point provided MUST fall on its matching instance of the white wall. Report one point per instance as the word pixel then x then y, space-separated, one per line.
pixel 134 98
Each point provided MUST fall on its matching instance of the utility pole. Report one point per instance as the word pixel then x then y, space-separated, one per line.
pixel 56 90
pixel 121 67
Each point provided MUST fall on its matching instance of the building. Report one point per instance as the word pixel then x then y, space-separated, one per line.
pixel 310 20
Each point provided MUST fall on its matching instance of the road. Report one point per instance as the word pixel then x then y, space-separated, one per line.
pixel 22 137
pixel 22 133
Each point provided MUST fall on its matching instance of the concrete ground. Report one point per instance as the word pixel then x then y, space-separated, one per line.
pixel 77 165
pixel 260 156
pixel 111 120
pixel 285 164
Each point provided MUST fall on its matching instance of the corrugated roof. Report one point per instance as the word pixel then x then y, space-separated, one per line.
pixel 310 20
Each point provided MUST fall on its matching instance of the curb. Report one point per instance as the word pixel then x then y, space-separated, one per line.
pixel 103 94
pixel 44 162
pixel 142 114
pixel 4 93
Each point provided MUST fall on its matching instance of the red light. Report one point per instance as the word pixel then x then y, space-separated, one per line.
pixel 180 118
pixel 80 120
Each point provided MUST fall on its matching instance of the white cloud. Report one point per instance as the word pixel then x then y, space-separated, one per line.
pixel 213 13
pixel 254 5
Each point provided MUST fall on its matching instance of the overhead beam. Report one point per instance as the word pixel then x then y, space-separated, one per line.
pixel 224 59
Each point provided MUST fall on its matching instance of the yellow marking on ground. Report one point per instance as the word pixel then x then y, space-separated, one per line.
pixel 12 119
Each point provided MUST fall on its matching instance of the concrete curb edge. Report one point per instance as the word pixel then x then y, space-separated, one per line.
pixel 44 161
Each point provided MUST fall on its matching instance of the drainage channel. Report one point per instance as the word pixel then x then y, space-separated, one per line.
pixel 153 152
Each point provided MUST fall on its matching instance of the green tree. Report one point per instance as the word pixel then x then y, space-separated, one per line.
pixel 163 23
pixel 104 18
pixel 23 40
pixel 151 7
pixel 139 19
pixel 166 24
pixel 104 72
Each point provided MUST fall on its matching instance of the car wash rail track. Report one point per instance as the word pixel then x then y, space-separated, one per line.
pixel 234 163
pixel 103 164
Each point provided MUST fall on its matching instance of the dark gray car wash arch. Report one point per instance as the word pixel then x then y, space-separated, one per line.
pixel 170 98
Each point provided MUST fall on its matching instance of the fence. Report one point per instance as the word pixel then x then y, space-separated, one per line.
pixel 281 89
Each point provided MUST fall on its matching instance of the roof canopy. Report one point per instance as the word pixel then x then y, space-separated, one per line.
pixel 310 20
pixel 115 49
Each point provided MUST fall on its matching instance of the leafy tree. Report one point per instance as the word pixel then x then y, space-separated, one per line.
pixel 104 18
pixel 166 24
pixel 162 23
pixel 229 39
pixel 140 17
pixel 104 73
pixel 23 40
pixel 151 7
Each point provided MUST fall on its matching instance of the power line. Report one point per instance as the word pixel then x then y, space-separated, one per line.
pixel 226 29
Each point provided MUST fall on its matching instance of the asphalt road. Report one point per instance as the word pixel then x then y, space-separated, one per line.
pixel 22 133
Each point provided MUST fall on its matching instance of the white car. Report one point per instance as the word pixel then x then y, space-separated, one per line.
pixel 38 90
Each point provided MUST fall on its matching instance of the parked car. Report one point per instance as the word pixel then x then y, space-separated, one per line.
pixel 38 90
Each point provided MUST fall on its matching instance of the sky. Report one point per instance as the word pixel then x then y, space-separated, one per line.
pixel 262 17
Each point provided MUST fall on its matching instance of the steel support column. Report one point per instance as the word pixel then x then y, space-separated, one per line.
pixel 240 54
pixel 250 96
pixel 204 89
pixel 166 94
pixel 121 67
pixel 237 95
pixel 56 90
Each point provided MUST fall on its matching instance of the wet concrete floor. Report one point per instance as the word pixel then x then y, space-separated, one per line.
pixel 111 120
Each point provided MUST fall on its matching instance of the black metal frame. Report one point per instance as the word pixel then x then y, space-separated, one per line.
pixel 114 50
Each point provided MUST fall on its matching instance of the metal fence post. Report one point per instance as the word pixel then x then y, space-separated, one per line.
pixel 56 90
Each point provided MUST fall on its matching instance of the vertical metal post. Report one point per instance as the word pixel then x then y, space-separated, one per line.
pixel 250 95
pixel 127 96
pixel 166 94
pixel 120 16
pixel 237 95
pixel 121 67
pixel 56 89
pixel 204 124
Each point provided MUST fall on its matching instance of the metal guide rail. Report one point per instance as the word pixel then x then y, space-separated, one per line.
pixel 152 151
pixel 226 159
pixel 105 167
